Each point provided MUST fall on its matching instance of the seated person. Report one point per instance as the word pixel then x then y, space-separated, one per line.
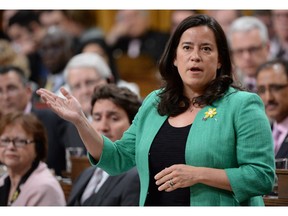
pixel 113 109
pixel 16 95
pixel 23 148
pixel 272 83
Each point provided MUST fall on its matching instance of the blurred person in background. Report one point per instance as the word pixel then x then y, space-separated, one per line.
pixel 16 95
pixel 26 32
pixel 177 16
pixel 113 110
pixel 83 73
pixel 74 22
pixel 225 17
pixel 97 44
pixel 279 43
pixel 8 56
pixel 249 45
pixel 23 149
pixel 266 17
pixel 272 85
pixel 132 35
pixel 56 49
pixel 6 15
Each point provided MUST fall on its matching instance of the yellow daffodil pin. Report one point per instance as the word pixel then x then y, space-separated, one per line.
pixel 210 113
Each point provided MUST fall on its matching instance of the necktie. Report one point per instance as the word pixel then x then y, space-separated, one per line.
pixel 93 185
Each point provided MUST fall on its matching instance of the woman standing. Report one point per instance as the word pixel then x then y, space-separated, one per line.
pixel 198 140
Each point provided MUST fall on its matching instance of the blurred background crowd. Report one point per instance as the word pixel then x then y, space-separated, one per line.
pixel 84 49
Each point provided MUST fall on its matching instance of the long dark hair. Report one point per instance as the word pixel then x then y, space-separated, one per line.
pixel 171 96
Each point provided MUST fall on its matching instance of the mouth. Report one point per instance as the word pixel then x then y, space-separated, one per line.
pixel 195 69
pixel 271 106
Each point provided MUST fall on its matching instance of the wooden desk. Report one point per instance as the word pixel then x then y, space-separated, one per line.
pixel 275 201
pixel 78 166
pixel 282 175
pixel 66 185
pixel 280 189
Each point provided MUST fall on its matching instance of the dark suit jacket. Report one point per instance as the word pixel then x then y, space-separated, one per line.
pixel 283 151
pixel 152 44
pixel 61 134
pixel 120 190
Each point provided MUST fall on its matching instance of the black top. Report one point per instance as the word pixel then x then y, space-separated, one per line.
pixel 168 148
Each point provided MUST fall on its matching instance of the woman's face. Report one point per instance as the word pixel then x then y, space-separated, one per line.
pixel 197 59
pixel 17 159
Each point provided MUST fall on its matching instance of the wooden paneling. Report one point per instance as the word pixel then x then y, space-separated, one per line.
pixel 159 19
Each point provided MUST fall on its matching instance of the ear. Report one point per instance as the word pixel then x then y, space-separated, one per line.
pixel 219 65
pixel 175 62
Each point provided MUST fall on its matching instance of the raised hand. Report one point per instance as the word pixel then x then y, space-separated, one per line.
pixel 67 108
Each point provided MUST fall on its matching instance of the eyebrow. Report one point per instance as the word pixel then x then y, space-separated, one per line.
pixel 202 44
pixel 109 113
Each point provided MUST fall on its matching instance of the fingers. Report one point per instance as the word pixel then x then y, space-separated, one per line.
pixel 164 172
pixel 65 93
pixel 165 180
pixel 169 185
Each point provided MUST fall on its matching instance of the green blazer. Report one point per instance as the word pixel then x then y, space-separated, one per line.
pixel 237 139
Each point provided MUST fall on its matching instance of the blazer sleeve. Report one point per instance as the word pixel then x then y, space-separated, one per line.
pixel 254 147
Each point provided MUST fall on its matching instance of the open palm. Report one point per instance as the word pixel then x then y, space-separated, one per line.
pixel 67 108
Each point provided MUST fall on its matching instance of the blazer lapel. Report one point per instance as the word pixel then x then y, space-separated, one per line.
pixel 283 151
pixel 80 185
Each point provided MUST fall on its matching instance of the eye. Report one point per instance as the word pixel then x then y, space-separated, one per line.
pixel 96 117
pixel 21 141
pixel 115 118
pixel 206 49
pixel 186 47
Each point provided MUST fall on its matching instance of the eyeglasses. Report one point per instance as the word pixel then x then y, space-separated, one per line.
pixel 17 142
pixel 273 88
pixel 87 83
pixel 251 50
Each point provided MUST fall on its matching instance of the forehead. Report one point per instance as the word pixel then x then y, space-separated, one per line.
pixel 275 73
pixel 201 34
pixel 245 38
pixel 106 105
pixel 9 78
pixel 82 73
pixel 14 129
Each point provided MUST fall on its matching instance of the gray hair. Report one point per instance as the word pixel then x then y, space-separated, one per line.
pixel 88 60
pixel 248 23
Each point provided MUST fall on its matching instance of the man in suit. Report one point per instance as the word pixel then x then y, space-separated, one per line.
pixel 272 84
pixel 16 95
pixel 113 109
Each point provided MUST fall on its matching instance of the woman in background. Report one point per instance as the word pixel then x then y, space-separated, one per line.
pixel 23 148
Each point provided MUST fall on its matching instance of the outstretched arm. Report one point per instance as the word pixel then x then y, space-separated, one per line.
pixel 69 109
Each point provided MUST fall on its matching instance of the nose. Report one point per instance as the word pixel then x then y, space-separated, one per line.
pixel 195 55
pixel 268 95
pixel 103 126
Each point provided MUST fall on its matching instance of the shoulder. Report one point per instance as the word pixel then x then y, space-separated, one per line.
pixel 153 96
pixel 43 178
pixel 239 96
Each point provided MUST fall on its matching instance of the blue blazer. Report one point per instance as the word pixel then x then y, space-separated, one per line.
pixel 237 139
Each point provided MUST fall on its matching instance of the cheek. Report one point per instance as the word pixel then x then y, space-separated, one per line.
pixel 1 154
